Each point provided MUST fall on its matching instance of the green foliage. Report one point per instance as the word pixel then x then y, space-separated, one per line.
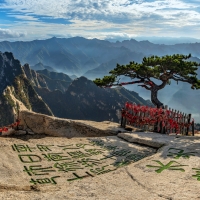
pixel 9 99
pixel 25 92
pixel 174 67
pixel 6 116
pixel 21 85
pixel 107 80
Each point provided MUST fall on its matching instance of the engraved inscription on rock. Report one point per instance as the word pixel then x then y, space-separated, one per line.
pixel 47 164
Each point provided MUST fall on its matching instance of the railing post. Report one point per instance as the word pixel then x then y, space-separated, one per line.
pixel 164 128
pixel 184 121
pixel 181 123
pixel 122 110
pixel 188 121
pixel 177 120
pixel 192 128
pixel 161 126
pixel 174 119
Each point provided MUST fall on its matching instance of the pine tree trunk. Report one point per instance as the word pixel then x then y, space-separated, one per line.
pixel 156 102
pixel 154 98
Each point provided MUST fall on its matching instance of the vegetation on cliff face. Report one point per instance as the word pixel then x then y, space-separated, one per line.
pixel 24 91
pixel 21 91
pixel 6 110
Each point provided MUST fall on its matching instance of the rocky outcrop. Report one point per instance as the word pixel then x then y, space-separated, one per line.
pixel 9 69
pixel 17 91
pixel 46 79
pixel 53 126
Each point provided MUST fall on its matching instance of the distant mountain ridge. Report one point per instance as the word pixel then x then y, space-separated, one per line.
pixel 40 66
pixel 79 55
pixel 55 75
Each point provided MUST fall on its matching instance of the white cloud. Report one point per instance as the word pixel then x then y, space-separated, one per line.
pixel 106 18
pixel 6 33
pixel 102 9
pixel 116 35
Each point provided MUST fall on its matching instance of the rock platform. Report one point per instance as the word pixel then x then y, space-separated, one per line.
pixel 119 165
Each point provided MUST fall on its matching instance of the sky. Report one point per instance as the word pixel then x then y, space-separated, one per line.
pixel 27 20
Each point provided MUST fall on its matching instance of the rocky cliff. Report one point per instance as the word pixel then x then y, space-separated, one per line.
pixel 17 91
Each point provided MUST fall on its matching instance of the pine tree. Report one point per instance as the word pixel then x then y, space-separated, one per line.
pixel 175 67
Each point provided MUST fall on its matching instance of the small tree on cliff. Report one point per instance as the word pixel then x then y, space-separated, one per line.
pixel 164 69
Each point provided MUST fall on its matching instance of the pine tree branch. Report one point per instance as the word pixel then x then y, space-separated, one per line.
pixel 181 79
pixel 145 86
pixel 162 85
pixel 125 83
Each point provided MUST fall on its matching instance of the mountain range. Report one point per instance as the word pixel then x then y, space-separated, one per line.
pixel 93 58
pixel 79 55
pixel 54 93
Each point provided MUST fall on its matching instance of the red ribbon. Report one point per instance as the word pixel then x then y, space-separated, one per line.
pixel 5 129
pixel 156 115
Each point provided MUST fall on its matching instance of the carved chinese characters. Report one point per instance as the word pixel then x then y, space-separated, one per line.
pixel 47 164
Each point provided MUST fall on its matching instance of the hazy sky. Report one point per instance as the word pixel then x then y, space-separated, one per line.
pixel 39 19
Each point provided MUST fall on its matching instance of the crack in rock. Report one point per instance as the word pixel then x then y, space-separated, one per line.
pixel 145 188
pixel 16 188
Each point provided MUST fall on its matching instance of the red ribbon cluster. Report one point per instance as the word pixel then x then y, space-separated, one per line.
pixel 144 115
pixel 14 125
